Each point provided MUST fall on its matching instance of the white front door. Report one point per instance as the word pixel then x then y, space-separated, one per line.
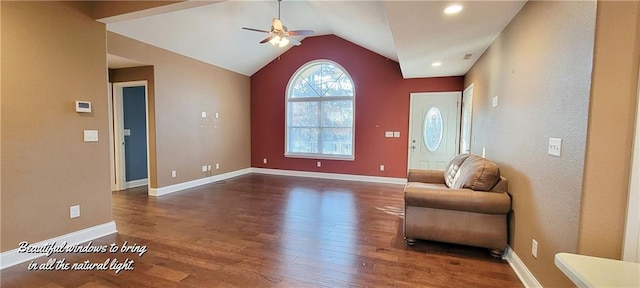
pixel 433 129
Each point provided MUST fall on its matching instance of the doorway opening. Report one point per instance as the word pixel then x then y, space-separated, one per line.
pixel 631 242
pixel 465 125
pixel 130 132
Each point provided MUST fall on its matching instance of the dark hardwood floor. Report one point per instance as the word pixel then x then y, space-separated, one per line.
pixel 271 231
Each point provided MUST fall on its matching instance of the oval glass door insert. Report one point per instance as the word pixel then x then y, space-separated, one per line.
pixel 433 129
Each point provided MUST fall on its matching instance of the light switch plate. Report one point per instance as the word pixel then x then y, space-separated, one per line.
pixel 90 135
pixel 127 132
pixel 74 211
pixel 555 146
pixel 388 134
pixel 203 114
pixel 396 134
pixel 494 101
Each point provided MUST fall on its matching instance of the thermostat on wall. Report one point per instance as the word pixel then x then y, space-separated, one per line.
pixel 83 107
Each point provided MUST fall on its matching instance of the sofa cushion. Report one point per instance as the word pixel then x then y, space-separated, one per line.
pixel 437 196
pixel 477 173
pixel 452 169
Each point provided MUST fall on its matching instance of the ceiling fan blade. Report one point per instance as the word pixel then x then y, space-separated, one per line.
pixel 256 30
pixel 277 25
pixel 301 33
pixel 294 42
pixel 265 40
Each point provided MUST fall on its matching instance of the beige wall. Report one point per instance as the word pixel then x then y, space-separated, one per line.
pixel 540 69
pixel 52 56
pixel 611 128
pixel 143 73
pixel 183 89
pixel 104 9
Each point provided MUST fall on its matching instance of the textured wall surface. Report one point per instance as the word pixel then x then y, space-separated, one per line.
pixel 382 104
pixel 540 70
pixel 53 54
pixel 611 128
pixel 184 88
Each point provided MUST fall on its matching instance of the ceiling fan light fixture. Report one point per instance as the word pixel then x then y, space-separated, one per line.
pixel 275 40
pixel 283 42
pixel 279 34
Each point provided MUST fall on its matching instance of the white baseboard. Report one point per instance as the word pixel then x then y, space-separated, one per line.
pixel 231 174
pixel 13 257
pixel 527 279
pixel 198 182
pixel 215 178
pixel 334 176
pixel 179 187
pixel 137 183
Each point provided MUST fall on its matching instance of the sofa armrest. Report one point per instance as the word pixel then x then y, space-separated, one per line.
pixel 439 197
pixel 426 176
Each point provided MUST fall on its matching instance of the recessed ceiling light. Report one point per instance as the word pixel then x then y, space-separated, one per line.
pixel 453 9
pixel 436 64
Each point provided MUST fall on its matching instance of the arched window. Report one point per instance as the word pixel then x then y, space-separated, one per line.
pixel 320 112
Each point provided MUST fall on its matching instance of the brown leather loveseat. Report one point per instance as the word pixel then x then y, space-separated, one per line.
pixel 466 204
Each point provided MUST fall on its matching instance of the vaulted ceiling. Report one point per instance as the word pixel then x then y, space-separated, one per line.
pixel 414 33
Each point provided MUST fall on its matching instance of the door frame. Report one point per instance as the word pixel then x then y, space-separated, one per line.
pixel 412 96
pixel 631 243
pixel 117 130
pixel 467 99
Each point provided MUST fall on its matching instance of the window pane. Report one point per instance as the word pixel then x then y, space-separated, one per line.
pixel 342 86
pixel 337 113
pixel 304 114
pixel 337 141
pixel 433 129
pixel 301 88
pixel 320 126
pixel 303 140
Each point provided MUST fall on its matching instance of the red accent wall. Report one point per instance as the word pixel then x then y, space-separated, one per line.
pixel 382 104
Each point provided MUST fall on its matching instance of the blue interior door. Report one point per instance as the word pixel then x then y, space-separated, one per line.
pixel 135 133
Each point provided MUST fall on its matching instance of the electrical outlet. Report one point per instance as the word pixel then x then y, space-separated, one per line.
pixel 534 248
pixel 74 211
pixel 217 166
pixel 264 160
pixel 381 167
pixel 318 164
pixel 208 167
pixel 204 168
pixel 173 174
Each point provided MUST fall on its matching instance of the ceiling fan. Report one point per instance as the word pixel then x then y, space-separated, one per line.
pixel 279 34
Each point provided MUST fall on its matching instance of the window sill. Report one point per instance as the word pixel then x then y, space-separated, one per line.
pixel 320 157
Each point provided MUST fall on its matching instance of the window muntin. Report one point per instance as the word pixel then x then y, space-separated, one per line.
pixel 320 112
